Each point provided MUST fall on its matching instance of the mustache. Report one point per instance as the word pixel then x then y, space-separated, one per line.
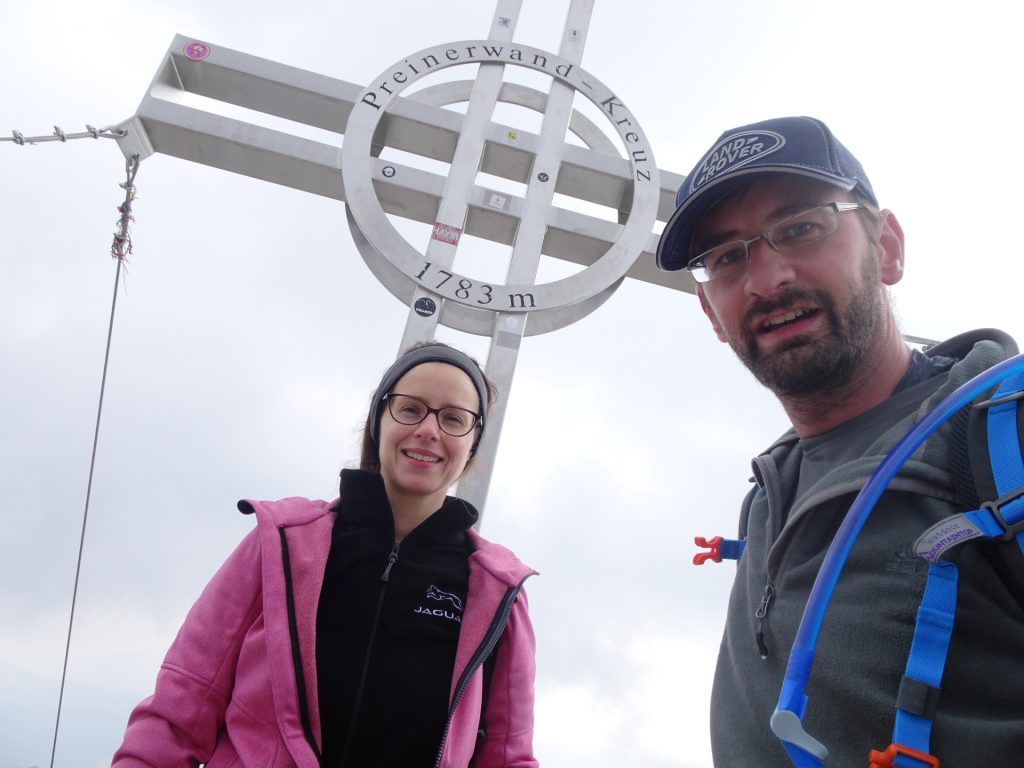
pixel 786 300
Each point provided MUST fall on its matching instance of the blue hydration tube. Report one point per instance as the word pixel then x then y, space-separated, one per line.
pixel 787 720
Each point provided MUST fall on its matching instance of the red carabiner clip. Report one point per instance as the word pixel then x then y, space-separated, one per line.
pixel 884 759
pixel 714 552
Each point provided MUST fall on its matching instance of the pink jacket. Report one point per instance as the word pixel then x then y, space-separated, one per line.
pixel 228 692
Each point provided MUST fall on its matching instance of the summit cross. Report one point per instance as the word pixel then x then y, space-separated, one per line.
pixel 377 175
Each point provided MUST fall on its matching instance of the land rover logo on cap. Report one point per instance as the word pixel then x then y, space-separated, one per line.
pixel 734 152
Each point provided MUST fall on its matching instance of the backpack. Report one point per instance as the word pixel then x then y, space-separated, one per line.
pixel 989 472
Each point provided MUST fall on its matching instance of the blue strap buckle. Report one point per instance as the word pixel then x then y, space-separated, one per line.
pixel 1010 529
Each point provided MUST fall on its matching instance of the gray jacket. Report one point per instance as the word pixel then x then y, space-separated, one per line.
pixel 865 639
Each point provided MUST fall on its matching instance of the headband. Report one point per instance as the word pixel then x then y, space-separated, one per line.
pixel 428 353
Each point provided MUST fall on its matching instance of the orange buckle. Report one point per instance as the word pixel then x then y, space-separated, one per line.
pixel 714 552
pixel 884 759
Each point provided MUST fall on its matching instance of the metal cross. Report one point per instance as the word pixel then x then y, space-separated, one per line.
pixel 614 168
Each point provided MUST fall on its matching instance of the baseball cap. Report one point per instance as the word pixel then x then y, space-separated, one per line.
pixel 795 145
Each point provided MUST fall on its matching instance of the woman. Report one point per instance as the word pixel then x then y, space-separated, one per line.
pixel 376 630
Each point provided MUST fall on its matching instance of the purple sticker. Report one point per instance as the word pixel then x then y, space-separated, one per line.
pixel 196 50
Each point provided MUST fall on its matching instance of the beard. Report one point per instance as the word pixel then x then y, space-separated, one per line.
pixel 806 365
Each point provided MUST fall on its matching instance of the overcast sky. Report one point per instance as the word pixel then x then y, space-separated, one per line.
pixel 249 334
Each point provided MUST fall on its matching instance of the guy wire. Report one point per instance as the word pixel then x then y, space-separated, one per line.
pixel 119 249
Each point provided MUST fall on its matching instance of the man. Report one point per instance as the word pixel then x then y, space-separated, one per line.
pixel 780 227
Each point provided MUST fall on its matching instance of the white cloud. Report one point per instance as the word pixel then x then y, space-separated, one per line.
pixel 572 719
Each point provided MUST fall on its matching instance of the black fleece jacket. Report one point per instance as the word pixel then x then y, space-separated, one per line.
pixel 387 628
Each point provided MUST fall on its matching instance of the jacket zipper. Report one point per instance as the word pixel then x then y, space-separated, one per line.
pixel 293 630
pixel 484 650
pixel 384 579
pixel 761 614
pixel 768 474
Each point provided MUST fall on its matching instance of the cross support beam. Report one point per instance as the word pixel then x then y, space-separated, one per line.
pixel 171 121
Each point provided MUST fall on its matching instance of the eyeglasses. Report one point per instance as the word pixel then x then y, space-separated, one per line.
pixel 789 234
pixel 409 410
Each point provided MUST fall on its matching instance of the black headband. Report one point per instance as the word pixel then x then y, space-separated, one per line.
pixel 428 353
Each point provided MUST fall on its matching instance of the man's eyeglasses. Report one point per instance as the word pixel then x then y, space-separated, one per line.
pixel 409 410
pixel 789 234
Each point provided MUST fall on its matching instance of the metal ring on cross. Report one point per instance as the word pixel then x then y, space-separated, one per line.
pixel 458 91
pixel 470 304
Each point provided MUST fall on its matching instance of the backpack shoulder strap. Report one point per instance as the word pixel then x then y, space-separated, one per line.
pixel 987 464
pixel 1002 460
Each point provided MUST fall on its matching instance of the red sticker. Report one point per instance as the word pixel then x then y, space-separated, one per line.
pixel 446 233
